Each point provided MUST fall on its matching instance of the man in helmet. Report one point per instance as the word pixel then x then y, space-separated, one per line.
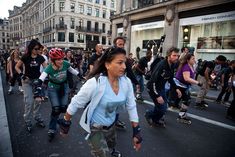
pixel 58 90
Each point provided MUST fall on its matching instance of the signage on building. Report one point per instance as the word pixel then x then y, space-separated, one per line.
pixel 226 16
pixel 151 25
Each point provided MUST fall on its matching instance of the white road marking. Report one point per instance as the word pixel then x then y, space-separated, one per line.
pixel 199 118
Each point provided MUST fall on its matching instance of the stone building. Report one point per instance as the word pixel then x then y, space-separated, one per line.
pixel 77 24
pixel 4 35
pixel 207 27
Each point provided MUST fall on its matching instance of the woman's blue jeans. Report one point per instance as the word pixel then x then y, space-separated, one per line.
pixel 59 104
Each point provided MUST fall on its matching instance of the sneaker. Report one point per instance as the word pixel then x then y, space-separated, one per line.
pixel 204 103
pixel 160 123
pixel 184 119
pixel 120 124
pixel 201 106
pixel 116 153
pixel 51 135
pixel 40 123
pixel 21 90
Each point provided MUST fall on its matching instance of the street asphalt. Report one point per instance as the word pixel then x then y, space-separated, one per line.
pixel 209 135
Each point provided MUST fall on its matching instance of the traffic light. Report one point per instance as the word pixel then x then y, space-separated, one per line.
pixel 186 35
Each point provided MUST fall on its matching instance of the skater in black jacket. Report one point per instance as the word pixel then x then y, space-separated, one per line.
pixel 163 72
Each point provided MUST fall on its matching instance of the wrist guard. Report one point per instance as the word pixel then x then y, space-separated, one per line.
pixel 22 76
pixel 37 88
pixel 136 134
pixel 64 125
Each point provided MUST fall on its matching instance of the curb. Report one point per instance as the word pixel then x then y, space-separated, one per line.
pixel 5 142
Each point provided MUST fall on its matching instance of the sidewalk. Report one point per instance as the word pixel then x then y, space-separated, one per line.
pixel 5 142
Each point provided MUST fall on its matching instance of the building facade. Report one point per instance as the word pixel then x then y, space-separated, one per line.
pixel 4 35
pixel 77 24
pixel 207 27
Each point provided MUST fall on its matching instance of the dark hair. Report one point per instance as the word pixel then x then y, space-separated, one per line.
pixel 187 57
pixel 108 56
pixel 115 40
pixel 232 62
pixel 170 50
pixel 31 46
pixel 221 58
pixel 183 49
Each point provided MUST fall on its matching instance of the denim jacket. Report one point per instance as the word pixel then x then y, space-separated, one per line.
pixel 92 91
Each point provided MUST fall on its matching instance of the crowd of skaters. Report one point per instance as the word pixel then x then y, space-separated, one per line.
pixel 53 74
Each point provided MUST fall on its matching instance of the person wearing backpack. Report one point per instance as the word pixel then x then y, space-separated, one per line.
pixel 226 83
pixel 140 72
pixel 163 72
pixel 205 79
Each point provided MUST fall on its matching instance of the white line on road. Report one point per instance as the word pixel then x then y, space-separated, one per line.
pixel 199 118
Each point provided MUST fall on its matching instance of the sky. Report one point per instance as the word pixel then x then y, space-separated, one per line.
pixel 6 5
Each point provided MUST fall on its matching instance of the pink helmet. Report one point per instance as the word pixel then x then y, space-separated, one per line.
pixel 56 53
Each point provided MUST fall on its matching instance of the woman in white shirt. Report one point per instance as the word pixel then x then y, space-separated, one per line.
pixel 106 91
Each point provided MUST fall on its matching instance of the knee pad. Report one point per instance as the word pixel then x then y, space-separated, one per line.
pixel 55 111
pixel 63 109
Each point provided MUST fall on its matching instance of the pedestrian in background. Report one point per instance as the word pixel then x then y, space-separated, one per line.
pixel 226 83
pixel 140 71
pixel 14 76
pixel 205 79
pixel 106 91
pixel 32 61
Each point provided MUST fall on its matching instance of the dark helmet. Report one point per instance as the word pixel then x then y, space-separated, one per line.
pixel 56 53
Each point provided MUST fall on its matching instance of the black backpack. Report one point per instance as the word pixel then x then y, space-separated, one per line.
pixel 155 62
pixel 200 68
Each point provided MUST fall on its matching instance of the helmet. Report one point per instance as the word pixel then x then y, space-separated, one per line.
pixel 56 53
